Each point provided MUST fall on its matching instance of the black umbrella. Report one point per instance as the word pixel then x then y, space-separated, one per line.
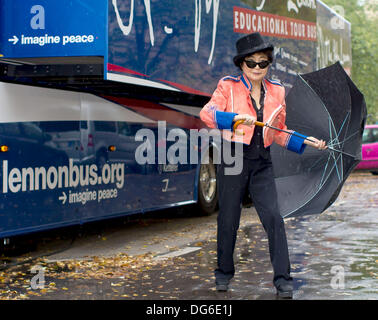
pixel 327 105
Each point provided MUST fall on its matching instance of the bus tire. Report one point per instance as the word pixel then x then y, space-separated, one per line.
pixel 207 189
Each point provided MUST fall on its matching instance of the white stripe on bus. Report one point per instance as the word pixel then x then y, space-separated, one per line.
pixel 20 103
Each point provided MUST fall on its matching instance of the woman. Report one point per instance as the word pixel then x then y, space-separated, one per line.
pixel 251 97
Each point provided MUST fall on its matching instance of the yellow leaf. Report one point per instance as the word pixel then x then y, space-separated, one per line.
pixel 116 284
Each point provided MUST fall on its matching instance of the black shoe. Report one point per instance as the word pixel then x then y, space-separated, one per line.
pixel 285 291
pixel 221 286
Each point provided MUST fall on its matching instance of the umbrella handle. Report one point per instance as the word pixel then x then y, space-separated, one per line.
pixel 260 124
pixel 239 122
pixel 235 126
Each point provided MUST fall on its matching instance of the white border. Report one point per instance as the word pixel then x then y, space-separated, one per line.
pixel 138 81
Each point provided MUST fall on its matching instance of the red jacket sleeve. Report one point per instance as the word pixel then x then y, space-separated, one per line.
pixel 218 102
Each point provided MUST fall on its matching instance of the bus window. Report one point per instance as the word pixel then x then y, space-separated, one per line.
pixel 106 126
pixel 124 129
pixel 84 125
pixel 11 129
pixel 61 126
pixel 32 131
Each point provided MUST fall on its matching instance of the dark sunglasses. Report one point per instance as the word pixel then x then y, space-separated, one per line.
pixel 252 64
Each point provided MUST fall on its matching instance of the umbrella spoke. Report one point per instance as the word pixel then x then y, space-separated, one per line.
pixel 342 126
pixel 332 127
pixel 351 136
pixel 335 165
pixel 324 171
pixel 324 180
pixel 332 143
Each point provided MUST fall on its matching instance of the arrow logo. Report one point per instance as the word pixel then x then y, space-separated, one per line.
pixel 14 40
pixel 63 198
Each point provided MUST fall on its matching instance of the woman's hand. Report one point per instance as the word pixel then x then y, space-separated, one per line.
pixel 319 144
pixel 248 119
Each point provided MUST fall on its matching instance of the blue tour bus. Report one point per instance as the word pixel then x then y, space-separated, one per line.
pixel 80 80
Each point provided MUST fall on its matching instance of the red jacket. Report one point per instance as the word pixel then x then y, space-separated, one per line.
pixel 231 97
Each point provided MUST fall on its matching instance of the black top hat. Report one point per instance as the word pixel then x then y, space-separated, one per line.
pixel 250 44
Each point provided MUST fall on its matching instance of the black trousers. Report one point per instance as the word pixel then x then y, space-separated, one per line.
pixel 257 175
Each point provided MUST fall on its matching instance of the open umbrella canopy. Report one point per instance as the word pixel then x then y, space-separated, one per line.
pixel 327 105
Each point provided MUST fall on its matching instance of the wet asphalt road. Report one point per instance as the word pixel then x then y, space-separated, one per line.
pixel 333 256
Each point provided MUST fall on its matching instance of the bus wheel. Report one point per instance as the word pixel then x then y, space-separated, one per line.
pixel 207 188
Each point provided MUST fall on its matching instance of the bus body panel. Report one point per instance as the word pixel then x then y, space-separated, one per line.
pixel 119 67
pixel 59 170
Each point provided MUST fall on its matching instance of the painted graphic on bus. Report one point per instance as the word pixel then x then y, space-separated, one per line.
pixel 46 28
pixel 190 47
